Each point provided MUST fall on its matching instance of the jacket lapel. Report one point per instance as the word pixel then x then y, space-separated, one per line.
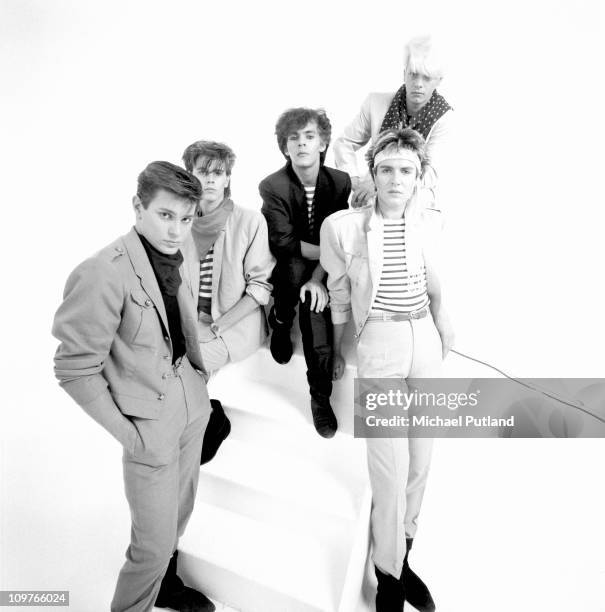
pixel 191 267
pixel 188 312
pixel 143 269
pixel 375 248
pixel 322 202
pixel 216 269
pixel 298 201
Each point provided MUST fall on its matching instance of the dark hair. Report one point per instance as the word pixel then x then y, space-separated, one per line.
pixel 295 119
pixel 407 138
pixel 164 175
pixel 217 156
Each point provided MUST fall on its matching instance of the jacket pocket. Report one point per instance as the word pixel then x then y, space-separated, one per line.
pixel 138 406
pixel 144 320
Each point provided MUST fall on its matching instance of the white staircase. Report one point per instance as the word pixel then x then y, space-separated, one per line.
pixel 281 522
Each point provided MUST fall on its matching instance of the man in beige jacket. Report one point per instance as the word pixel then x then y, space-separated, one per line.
pixel 228 261
pixel 129 356
pixel 382 274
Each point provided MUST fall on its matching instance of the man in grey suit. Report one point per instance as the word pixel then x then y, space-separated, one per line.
pixel 129 356
pixel 417 105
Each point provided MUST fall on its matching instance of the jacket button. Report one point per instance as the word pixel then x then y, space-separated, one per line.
pixel 119 249
pixel 161 396
pixel 147 302
pixel 166 338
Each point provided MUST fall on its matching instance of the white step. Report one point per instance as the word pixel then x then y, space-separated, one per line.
pixel 220 555
pixel 289 478
pixel 280 392
pixel 270 417
pixel 281 522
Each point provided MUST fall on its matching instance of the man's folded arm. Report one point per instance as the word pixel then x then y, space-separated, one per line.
pixel 282 238
pixel 259 262
pixel 355 136
pixel 86 324
pixel 338 283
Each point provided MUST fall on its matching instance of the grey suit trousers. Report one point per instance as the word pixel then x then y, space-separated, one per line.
pixel 160 480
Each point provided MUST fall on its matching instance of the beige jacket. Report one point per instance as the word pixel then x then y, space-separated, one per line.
pixel 242 265
pixel 351 252
pixel 114 345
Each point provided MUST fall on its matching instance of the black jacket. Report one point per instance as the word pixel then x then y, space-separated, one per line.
pixel 285 207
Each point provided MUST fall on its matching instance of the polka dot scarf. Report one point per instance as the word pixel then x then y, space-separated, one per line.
pixel 397 114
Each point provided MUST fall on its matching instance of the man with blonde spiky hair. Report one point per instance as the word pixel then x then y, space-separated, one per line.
pixel 416 104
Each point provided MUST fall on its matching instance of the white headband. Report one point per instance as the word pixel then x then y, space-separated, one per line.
pixel 404 154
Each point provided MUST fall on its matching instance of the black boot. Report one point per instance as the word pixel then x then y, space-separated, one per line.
pixel 416 592
pixel 324 418
pixel 175 595
pixel 281 344
pixel 217 429
pixel 390 594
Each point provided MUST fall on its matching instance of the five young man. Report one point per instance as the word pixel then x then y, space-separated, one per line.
pixel 142 326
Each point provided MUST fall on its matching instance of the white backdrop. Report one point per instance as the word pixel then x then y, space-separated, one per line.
pixel 91 92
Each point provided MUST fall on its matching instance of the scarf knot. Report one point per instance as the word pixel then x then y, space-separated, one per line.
pixel 206 228
pixel 397 116
pixel 166 267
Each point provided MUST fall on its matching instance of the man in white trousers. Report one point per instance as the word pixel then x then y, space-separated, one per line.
pixel 382 275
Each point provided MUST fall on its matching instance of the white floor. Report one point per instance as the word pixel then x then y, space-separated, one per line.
pixel 219 608
pixel 507 525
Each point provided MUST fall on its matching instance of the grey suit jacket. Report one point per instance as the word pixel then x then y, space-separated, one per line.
pixel 114 341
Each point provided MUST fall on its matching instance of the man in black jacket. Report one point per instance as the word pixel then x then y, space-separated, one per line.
pixel 296 200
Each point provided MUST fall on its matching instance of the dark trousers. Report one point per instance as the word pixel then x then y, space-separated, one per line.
pixel 289 275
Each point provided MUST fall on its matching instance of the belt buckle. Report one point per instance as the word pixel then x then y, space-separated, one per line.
pixel 417 314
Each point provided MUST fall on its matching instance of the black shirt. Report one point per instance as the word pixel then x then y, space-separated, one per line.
pixel 166 270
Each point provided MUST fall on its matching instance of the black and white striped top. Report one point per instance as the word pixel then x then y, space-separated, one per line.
pixel 310 194
pixel 398 289
pixel 205 293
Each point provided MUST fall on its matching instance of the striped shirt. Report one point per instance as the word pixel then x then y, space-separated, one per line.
pixel 205 294
pixel 310 194
pixel 398 289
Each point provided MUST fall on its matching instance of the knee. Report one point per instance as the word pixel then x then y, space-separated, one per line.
pixel 419 469
pixel 387 489
pixel 152 552
pixel 305 306
pixel 321 320
pixel 393 490
pixel 294 271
